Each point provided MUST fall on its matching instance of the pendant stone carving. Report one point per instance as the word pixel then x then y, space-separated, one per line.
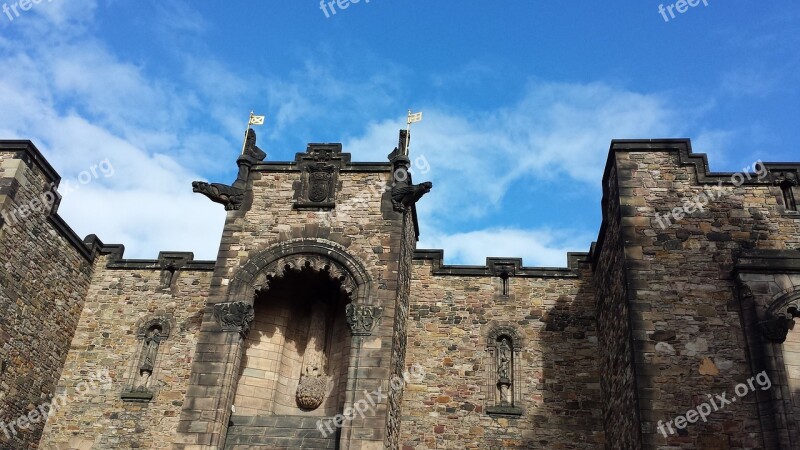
pixel 313 381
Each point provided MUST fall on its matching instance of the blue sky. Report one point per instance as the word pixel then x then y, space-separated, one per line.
pixel 521 101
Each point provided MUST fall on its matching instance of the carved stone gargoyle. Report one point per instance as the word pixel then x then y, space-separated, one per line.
pixel 404 193
pixel 233 196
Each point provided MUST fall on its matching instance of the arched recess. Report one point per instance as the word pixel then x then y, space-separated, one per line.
pixel 298 253
pixel 296 355
pixel 504 344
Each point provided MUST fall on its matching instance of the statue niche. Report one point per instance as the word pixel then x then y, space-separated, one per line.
pixel 504 345
pixel 141 386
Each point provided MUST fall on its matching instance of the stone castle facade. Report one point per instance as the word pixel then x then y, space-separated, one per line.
pixel 321 326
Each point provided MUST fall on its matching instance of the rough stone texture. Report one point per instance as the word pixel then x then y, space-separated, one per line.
pixel 400 341
pixel 680 280
pixel 43 282
pixel 278 433
pixel 620 398
pixel 363 226
pixel 450 319
pixel 118 303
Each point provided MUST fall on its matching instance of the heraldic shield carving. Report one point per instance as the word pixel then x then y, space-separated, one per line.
pixel 319 167
pixel 319 183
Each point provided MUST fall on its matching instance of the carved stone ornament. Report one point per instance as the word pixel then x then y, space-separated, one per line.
pixel 311 391
pixel 279 267
pixel 233 196
pixel 404 192
pixel 779 318
pixel 363 318
pixel 319 167
pixel 776 329
pixel 237 316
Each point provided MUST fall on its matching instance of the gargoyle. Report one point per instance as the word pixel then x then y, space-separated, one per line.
pixel 404 195
pixel 233 196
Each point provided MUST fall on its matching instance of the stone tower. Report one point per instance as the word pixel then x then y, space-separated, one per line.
pixel 308 304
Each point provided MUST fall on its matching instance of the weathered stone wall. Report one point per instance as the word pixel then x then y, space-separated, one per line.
pixel 400 341
pixel 363 226
pixel 118 303
pixel 619 391
pixel 43 282
pixel 450 318
pixel 686 321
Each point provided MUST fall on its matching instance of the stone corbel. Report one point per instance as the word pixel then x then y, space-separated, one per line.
pixel 779 318
pixel 362 319
pixel 236 316
pixel 776 329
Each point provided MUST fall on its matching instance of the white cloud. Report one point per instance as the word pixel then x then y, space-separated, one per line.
pixel 82 103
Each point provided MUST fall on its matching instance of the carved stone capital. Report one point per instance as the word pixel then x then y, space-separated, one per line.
pixel 237 316
pixel 363 318
pixel 776 329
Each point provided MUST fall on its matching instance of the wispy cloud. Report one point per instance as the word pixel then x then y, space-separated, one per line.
pixel 83 103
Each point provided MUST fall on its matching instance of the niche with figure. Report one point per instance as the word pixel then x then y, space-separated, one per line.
pixel 297 351
pixel 150 336
pixel 503 372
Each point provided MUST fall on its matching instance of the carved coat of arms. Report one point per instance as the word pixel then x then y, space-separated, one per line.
pixel 320 182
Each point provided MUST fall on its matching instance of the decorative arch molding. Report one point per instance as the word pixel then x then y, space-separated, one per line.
pixel 296 254
pixel 779 318
pixel 495 331
pixel 162 322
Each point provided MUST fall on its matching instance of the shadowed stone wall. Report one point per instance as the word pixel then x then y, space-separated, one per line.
pixel 686 320
pixel 453 310
pixel 124 296
pixel 618 382
pixel 44 275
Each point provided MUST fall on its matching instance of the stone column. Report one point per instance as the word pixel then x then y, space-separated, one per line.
pixel 362 320
pixel 206 410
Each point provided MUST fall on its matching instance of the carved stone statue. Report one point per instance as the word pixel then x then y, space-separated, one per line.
pixel 147 361
pixel 504 371
pixel 504 360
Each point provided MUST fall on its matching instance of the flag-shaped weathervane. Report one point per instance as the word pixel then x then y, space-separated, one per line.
pixel 255 120
pixel 412 118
